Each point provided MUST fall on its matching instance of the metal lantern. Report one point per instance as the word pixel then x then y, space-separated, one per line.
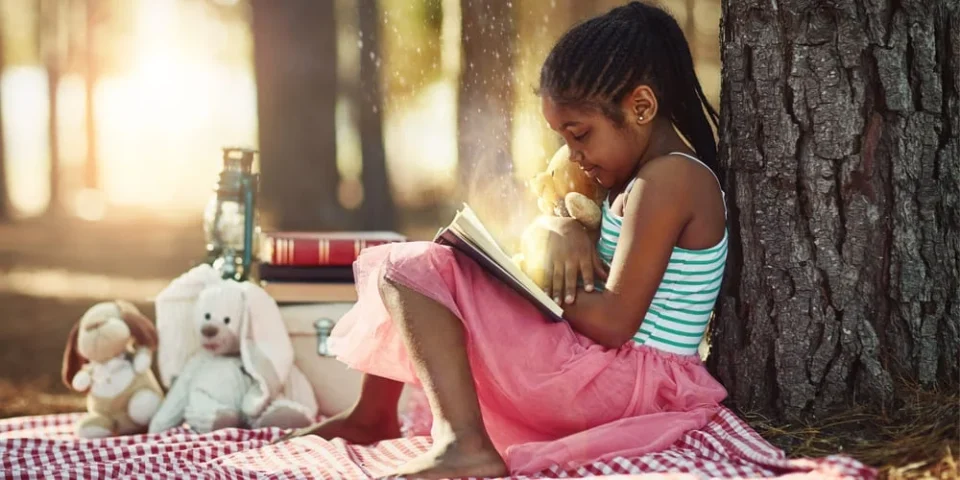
pixel 230 217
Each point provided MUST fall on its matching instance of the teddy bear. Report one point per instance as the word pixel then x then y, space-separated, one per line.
pixel 562 190
pixel 232 379
pixel 108 354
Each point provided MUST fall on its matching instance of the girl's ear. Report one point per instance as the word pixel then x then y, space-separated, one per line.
pixel 642 105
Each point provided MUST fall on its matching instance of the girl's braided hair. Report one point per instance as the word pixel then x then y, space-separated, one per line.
pixel 643 45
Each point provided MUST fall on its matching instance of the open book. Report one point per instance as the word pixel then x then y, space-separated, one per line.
pixel 467 234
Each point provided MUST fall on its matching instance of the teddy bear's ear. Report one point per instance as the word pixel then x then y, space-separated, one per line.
pixel 141 328
pixel 72 361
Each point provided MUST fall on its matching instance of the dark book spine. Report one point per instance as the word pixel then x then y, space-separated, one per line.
pixel 288 273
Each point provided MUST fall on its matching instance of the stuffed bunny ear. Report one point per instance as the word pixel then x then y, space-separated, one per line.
pixel 177 340
pixel 141 328
pixel 71 358
pixel 264 338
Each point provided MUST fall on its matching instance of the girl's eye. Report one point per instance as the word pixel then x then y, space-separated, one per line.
pixel 582 136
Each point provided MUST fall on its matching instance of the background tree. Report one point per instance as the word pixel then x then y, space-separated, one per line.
pixel 485 105
pixel 842 167
pixel 295 59
pixel 4 193
pixel 377 210
pixel 94 11
pixel 52 33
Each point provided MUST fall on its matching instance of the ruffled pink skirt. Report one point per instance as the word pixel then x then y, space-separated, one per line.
pixel 548 395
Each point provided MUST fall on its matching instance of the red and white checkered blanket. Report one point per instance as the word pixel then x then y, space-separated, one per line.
pixel 44 447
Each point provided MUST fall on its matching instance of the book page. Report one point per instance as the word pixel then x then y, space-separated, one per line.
pixel 471 228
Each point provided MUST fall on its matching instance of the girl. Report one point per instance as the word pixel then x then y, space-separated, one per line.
pixel 510 391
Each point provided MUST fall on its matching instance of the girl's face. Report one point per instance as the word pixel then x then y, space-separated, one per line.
pixel 608 153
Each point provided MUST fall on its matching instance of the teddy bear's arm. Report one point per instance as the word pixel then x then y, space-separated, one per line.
pixel 81 381
pixel 583 209
pixel 142 360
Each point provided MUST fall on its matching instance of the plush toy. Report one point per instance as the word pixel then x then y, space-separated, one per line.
pixel 108 354
pixel 226 353
pixel 562 190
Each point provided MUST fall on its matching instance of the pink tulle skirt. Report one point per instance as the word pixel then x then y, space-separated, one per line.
pixel 548 395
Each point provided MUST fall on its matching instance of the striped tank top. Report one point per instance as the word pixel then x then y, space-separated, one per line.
pixel 681 308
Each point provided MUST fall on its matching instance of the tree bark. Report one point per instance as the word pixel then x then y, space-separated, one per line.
pixel 486 94
pixel 377 210
pixel 295 59
pixel 841 158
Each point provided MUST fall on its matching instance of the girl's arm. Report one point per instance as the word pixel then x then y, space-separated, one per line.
pixel 655 214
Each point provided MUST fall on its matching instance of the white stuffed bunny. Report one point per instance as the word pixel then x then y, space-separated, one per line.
pixel 240 372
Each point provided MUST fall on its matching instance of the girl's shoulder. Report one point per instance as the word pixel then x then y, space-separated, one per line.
pixel 674 170
pixel 677 179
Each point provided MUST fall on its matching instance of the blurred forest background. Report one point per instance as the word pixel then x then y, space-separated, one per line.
pixel 372 115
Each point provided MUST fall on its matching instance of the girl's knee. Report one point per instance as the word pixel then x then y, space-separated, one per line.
pixel 421 254
pixel 418 261
pixel 388 290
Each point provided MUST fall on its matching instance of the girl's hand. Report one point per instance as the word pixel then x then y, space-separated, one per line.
pixel 569 254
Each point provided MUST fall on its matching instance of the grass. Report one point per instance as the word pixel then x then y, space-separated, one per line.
pixel 33 398
pixel 920 440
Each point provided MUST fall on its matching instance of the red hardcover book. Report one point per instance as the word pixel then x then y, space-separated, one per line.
pixel 320 248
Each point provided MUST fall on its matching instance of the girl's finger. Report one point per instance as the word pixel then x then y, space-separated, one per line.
pixel 547 278
pixel 599 268
pixel 570 281
pixel 586 269
pixel 558 272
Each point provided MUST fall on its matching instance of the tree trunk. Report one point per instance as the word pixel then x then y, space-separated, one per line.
pixel 91 167
pixel 5 206
pixel 841 161
pixel 377 211
pixel 690 26
pixel 51 52
pixel 486 94
pixel 295 59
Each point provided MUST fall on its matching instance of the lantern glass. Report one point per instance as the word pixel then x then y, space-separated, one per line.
pixel 223 224
pixel 230 213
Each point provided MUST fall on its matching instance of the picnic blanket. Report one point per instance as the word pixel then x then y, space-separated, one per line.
pixel 44 447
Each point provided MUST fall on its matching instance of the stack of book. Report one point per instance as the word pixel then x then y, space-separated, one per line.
pixel 314 267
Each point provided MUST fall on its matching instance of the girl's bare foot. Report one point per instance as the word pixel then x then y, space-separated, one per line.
pixel 456 457
pixel 352 428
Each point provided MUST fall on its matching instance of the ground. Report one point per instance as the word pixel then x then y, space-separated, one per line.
pixel 52 270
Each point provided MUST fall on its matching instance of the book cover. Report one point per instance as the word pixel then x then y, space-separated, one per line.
pixel 468 235
pixel 319 248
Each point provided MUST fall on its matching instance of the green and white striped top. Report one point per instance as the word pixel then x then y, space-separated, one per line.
pixel 681 308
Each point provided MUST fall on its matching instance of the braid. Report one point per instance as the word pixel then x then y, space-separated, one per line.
pixel 646 46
